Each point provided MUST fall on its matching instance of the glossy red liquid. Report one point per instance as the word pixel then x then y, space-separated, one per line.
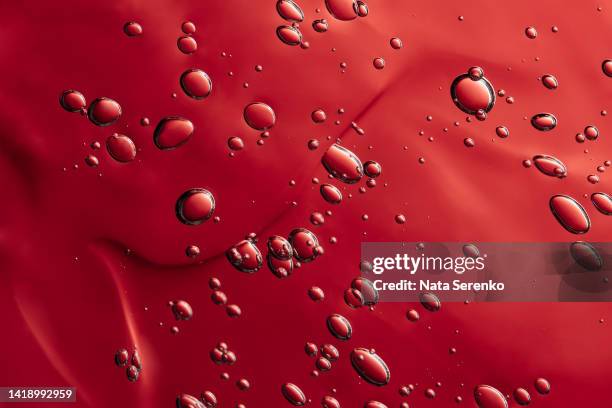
pixel 90 257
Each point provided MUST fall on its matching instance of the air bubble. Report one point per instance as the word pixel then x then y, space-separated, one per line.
pixel 196 83
pixel 195 206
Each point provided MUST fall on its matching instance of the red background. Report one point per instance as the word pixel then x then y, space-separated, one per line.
pixel 71 297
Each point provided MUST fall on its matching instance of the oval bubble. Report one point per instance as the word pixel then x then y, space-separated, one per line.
pixel 370 366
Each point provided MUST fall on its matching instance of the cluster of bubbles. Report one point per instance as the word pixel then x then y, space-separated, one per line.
pixel 487 396
pixel 221 354
pixel 343 10
pixel 292 13
pixel 344 165
pixel 207 400
pixel 302 245
pixel 473 93
pixel 361 293
pixel 323 363
pixel 219 298
pixel 101 112
pixel 186 43
pixel 133 363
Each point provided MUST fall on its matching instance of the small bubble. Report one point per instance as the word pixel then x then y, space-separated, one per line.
pixel 233 311
pixel 73 101
pixel 320 26
pixel 544 122
pixel 570 214
pixel 293 394
pixel 378 62
pixel 104 111
pixel 289 35
pixel 182 310
pixel 311 349
pixel 522 396
pixel 121 148
pixel 372 169
pixel 122 357
pixel 489 397
pixel 259 116
pixel 318 116
pixel 550 82
pixel 339 327
pixel 313 144
pixel 196 83
pixel 342 164
pixel 187 401
pixel 342 9
pixel 192 251
pixel 289 11
pixel 243 384
pixel 132 29
pixel 195 206
pixel 472 92
pixel 542 386
pixel 531 32
pixel 362 9
pixel 132 373
pixel 92 161
pixel 370 366
pixel 591 132
pixel 316 294
pixel 235 143
pixel 187 44
pixel 502 132
pixel 396 43
pixel 188 27
pixel 606 67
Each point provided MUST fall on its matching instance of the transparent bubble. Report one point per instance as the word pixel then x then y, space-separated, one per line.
pixel 104 111
pixel 290 11
pixel 396 43
pixel 187 44
pixel 370 366
pixel 172 132
pixel 73 101
pixel 430 301
pixel 182 310
pixel 290 35
pixel 544 121
pixel 489 397
pixel 339 327
pixel 121 148
pixel 570 214
pixel 549 165
pixel 259 116
pixel 603 202
pixel 132 29
pixel 342 9
pixel 293 394
pixel 550 82
pixel 245 256
pixel 320 26
pixel 305 245
pixel 473 92
pixel 342 164
pixel 331 193
pixel 196 83
pixel 195 206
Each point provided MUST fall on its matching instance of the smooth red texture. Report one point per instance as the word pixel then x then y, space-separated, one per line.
pixel 71 297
